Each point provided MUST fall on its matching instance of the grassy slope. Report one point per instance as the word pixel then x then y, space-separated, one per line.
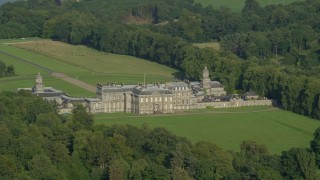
pixel 237 5
pixel 100 66
pixel 278 129
pixel 77 61
pixel 25 77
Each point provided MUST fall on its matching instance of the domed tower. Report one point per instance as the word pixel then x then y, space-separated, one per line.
pixel 206 81
pixel 38 87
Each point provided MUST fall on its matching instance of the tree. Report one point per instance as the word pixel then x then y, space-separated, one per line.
pixel 10 70
pixel 214 163
pixel 81 119
pixel 118 169
pixel 315 146
pixel 298 163
pixel 41 168
pixel 8 168
pixel 3 69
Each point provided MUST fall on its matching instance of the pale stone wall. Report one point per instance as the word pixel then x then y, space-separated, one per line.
pixel 181 99
pixel 95 107
pixel 150 104
pixel 114 102
pixel 239 103
pixel 128 102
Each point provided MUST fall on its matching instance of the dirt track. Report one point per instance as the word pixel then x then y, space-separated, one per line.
pixel 62 76
pixel 74 81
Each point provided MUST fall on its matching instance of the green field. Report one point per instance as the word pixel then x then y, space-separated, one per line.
pixel 80 62
pixel 278 129
pixel 96 66
pixel 25 78
pixel 237 5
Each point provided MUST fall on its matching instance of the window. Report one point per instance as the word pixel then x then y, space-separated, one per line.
pixel 165 99
pixel 155 99
pixel 160 99
pixel 170 98
pixel 147 99
pixel 151 99
pixel 170 106
pixel 141 100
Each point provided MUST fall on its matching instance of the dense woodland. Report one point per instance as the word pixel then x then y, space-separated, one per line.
pixel 273 50
pixel 38 143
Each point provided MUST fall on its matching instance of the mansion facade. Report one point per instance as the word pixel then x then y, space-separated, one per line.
pixel 147 98
pixel 154 98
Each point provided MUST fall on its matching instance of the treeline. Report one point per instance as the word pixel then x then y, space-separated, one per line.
pixel 5 70
pixel 276 57
pixel 38 143
pixel 297 93
pixel 291 31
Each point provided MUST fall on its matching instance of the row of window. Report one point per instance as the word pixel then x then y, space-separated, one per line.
pixel 181 94
pixel 155 99
pixel 146 107
pixel 114 97
pixel 182 107
pixel 181 101
pixel 181 88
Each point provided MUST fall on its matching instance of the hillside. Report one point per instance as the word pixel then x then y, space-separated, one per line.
pixel 79 62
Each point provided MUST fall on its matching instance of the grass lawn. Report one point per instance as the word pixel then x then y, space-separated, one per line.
pixel 237 5
pixel 278 129
pixel 100 66
pixel 214 45
pixel 80 62
pixel 25 78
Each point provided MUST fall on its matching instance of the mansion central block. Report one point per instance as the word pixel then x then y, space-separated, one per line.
pixel 154 98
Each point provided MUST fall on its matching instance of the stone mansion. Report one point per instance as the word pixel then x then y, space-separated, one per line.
pixel 149 98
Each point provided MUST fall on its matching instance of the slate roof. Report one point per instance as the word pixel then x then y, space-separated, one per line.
pixel 176 85
pixel 150 90
pixel 67 99
pixel 92 100
pixel 124 88
pixel 49 92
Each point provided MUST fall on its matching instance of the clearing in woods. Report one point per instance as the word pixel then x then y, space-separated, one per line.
pixel 237 5
pixel 213 45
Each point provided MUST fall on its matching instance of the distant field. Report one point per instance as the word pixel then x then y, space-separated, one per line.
pixel 214 45
pixel 237 5
pixel 99 66
pixel 79 62
pixel 278 129
pixel 25 78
